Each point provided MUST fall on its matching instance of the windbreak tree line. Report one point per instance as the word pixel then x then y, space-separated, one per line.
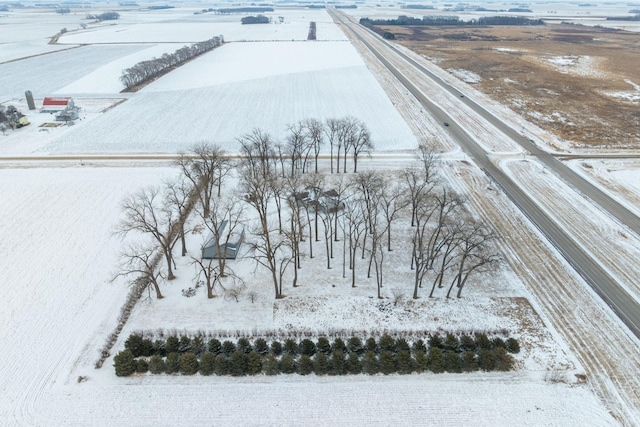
pixel 146 70
pixel 386 355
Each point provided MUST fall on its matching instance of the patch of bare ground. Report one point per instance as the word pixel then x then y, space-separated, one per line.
pixel 579 83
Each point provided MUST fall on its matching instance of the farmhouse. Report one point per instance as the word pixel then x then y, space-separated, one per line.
pixel 52 104
pixel 227 246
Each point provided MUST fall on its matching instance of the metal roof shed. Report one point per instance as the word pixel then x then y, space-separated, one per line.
pixel 214 249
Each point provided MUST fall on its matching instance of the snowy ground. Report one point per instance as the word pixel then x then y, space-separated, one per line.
pixel 59 251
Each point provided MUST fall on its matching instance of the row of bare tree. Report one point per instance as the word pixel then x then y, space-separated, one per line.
pixel 288 211
pixel 145 70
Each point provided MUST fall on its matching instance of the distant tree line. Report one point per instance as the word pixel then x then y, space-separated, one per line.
pixel 417 6
pixel 146 70
pixel 107 16
pixel 231 10
pixel 624 18
pixel 63 10
pixel 188 356
pixel 258 19
pixel 451 21
pixel 350 6
pixel 162 7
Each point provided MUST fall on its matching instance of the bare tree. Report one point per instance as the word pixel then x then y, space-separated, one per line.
pixel 258 151
pixel 418 189
pixel 331 130
pixel 205 166
pixel 140 262
pixel 474 255
pixel 346 137
pixel 178 194
pixel 314 131
pixel 149 213
pixel 393 199
pixel 224 223
pixel 360 143
pixel 354 224
pixel 296 146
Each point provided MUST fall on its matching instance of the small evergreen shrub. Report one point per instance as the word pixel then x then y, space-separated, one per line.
pixel 421 361
pixel 469 361
pixel 305 365
pixel 452 362
pixel 338 345
pixel 435 360
pixel 142 366
pixel 467 343
pixel 172 365
pixel 197 346
pixel 386 343
pixel 221 365
pixel 419 346
pixel 270 365
pixel 214 347
pixel 486 360
pixel 370 363
pixel 260 346
pixel 156 364
pixel 498 343
pixel 371 345
pixel 185 344
pixel 451 343
pixel 483 342
pixel 147 348
pixel 276 348
pixel 254 363
pixel 402 345
pixel 159 348
pixel 387 363
pixel 188 364
pixel 125 363
pixel 287 364
pixel 405 362
pixel 244 345
pixel 228 348
pixel 172 344
pixel 307 347
pixel 207 364
pixel 435 340
pixel 321 364
pixel 238 363
pixel 354 345
pixel 323 345
pixel 504 361
pixel 338 364
pixel 290 347
pixel 354 365
pixel 513 346
pixel 134 344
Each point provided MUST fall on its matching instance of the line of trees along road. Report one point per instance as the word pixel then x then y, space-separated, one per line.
pixel 294 212
pixel 146 70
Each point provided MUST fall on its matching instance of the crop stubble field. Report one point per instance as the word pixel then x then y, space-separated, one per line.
pixel 578 82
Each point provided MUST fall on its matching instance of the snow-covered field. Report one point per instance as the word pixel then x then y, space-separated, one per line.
pixel 59 254
pixel 59 251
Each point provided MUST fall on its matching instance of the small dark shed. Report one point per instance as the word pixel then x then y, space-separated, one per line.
pixel 213 249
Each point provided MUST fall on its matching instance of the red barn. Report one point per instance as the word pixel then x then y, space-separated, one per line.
pixel 52 104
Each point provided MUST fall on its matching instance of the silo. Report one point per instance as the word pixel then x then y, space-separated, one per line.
pixel 30 103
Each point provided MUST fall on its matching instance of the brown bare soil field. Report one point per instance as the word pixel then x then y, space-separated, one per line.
pixel 580 83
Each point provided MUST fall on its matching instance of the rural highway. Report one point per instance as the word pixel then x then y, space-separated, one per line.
pixel 625 307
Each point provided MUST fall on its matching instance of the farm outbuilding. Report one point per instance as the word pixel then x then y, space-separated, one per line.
pixel 51 104
pixel 227 246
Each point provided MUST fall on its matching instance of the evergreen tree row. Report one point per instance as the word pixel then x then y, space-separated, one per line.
pixel 338 362
pixel 140 346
